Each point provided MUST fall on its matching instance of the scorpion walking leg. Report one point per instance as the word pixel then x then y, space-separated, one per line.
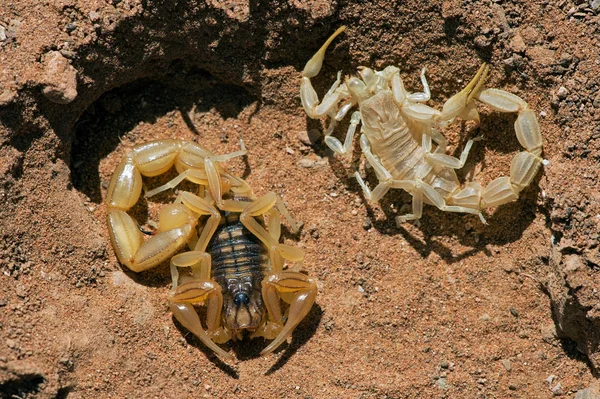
pixel 441 159
pixel 198 289
pixel 260 207
pixel 335 145
pixel 424 189
pixel 294 288
pixel 202 207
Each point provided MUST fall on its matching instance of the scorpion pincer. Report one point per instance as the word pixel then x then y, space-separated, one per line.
pixel 398 133
pixel 236 267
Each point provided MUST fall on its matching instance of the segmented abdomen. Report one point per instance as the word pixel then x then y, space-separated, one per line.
pixel 236 253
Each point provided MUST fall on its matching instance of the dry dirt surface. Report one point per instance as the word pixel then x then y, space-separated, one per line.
pixel 444 308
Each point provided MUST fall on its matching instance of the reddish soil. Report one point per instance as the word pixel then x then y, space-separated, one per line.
pixel 444 308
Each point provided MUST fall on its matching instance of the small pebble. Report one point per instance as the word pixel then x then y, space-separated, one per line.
pixel 514 312
pixel 557 390
pixel 441 382
pixel 70 27
pixel 94 16
pixel 562 92
pixel 309 137
pixel 2 33
pixel 60 79
pixel 506 364
pixel 306 163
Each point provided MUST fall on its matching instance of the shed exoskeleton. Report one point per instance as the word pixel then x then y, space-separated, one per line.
pixel 235 266
pixel 400 136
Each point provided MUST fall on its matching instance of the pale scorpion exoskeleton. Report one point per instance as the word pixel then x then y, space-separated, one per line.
pixel 235 266
pixel 398 132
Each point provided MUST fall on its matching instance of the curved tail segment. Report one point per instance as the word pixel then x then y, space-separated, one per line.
pixel 524 165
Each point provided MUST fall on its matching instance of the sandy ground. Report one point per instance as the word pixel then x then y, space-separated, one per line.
pixel 444 308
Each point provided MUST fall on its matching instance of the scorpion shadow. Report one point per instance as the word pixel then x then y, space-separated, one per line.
pixel 251 350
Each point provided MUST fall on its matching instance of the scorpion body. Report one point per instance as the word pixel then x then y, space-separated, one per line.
pixel 239 264
pixel 400 136
pixel 235 267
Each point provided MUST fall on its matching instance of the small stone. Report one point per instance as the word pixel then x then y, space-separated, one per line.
pixel 512 387
pixel 361 289
pixel 11 343
pixel 441 382
pixel 523 334
pixel 2 33
pixel 94 16
pixel 514 312
pixel 367 224
pixel 506 364
pixel 562 93
pixel 309 137
pixel 70 27
pixel 13 27
pixel 557 390
pixel 444 365
pixel 289 150
pixel 485 317
pixel 517 44
pixel 20 291
pixel 60 79
pixel 306 163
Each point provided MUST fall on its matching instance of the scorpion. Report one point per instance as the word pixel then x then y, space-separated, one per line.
pixel 401 141
pixel 235 265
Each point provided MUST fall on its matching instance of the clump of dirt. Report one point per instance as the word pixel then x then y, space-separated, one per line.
pixel 446 307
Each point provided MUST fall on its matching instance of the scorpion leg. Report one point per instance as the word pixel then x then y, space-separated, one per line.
pixel 423 189
pixel 260 207
pixel 202 207
pixel 294 288
pixel 426 95
pixel 194 175
pixel 335 145
pixel 198 289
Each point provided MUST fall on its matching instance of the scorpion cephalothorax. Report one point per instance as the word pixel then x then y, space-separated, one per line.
pixel 235 266
pixel 400 136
